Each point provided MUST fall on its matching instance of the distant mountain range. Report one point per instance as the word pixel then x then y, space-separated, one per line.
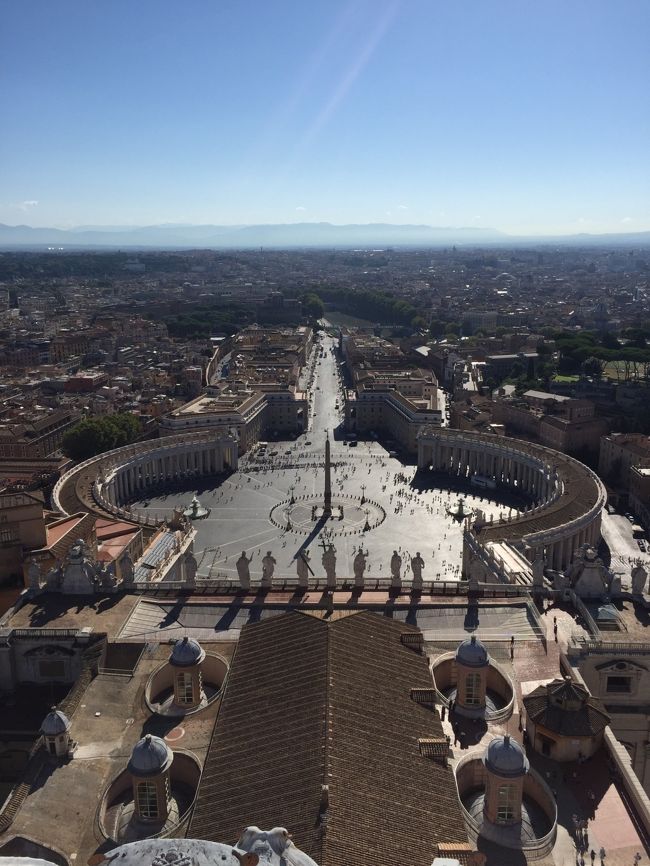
pixel 284 236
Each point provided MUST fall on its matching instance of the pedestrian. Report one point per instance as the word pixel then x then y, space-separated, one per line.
pixel 602 853
pixel 592 854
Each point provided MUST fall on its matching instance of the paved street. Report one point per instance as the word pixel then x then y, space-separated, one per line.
pixel 415 508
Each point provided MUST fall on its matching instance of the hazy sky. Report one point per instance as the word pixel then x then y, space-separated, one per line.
pixel 518 115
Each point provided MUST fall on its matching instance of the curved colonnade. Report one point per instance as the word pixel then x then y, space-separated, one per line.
pixel 103 484
pixel 568 497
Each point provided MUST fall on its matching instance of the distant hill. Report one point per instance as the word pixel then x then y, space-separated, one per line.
pixel 285 236
pixel 242 237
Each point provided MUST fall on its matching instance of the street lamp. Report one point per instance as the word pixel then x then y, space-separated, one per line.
pixel 363 494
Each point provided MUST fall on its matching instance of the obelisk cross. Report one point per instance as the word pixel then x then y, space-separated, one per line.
pixel 327 504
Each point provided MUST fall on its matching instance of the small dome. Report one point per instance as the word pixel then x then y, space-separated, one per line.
pixel 55 722
pixel 472 653
pixel 505 757
pixel 150 756
pixel 187 652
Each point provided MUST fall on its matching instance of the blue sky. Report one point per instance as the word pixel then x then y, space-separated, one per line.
pixel 517 115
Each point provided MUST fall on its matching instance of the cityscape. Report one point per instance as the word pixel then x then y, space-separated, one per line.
pixel 218 475
pixel 325 433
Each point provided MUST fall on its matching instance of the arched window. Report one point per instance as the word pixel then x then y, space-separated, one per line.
pixel 184 690
pixel 473 690
pixel 147 800
pixel 505 803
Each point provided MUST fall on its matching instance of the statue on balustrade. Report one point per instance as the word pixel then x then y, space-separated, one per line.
pixel 359 566
pixel 303 568
pixel 243 570
pixel 639 578
pixel 268 567
pixel 329 564
pixel 417 564
pixel 396 569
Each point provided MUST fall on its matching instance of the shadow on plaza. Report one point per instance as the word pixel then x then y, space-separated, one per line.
pixel 199 485
pixel 425 480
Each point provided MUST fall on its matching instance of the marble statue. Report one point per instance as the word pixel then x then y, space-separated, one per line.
pixel 395 569
pixel 588 576
pixel 104 578
pixel 329 564
pixel 190 567
pixel 268 567
pixel 243 570
pixel 639 577
pixel 181 852
pixel 359 566
pixel 34 575
pixel 539 563
pixel 127 569
pixel 302 568
pixel 417 564
pixel 268 844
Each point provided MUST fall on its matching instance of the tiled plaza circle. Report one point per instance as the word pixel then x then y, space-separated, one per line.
pixel 349 514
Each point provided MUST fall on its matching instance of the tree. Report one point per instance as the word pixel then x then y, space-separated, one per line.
pixel 93 436
pixel 593 367
pixel 312 306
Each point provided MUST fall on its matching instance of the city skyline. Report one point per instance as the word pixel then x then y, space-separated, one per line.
pixel 531 121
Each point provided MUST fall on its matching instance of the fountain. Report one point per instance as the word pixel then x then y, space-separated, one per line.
pixel 196 511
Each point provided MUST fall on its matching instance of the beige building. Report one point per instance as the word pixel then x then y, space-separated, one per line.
pixel 22 528
pixel 617 671
pixel 390 413
pixel 619 452
pixel 251 414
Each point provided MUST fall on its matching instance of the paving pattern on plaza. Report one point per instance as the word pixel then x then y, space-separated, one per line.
pixel 386 506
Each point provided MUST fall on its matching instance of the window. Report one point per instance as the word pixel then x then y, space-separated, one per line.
pixel 184 689
pixel 472 690
pixel 147 800
pixel 619 685
pixel 505 803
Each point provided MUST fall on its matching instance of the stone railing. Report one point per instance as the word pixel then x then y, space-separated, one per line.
pixel 629 780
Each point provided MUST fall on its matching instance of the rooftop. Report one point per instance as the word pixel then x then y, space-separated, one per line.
pixel 339 693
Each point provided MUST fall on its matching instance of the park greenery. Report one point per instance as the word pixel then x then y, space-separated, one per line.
pixel 379 306
pixel 623 358
pixel 93 436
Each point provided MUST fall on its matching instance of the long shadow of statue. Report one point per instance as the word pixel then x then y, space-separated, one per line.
pixel 471 621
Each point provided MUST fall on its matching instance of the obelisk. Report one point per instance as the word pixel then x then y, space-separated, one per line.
pixel 327 504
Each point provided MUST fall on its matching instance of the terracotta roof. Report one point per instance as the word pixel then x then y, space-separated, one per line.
pixel 312 702
pixel 567 709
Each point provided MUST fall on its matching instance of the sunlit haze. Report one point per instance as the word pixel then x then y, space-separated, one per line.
pixel 524 117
